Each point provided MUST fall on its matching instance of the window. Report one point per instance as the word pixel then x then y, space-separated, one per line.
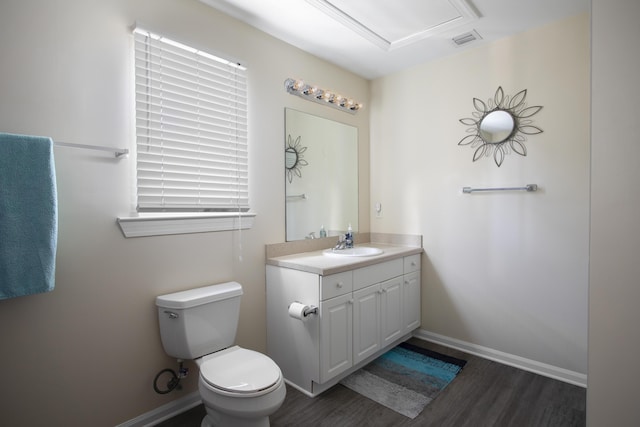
pixel 191 131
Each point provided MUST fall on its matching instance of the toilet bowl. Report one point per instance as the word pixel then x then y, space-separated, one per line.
pixel 239 387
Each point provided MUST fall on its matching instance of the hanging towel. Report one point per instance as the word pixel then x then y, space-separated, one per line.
pixel 28 215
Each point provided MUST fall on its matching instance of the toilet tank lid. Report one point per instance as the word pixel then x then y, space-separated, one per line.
pixel 199 296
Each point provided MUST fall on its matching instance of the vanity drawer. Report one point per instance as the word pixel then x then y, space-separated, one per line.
pixel 363 277
pixel 411 263
pixel 335 285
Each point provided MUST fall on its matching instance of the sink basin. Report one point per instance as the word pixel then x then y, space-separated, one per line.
pixel 355 251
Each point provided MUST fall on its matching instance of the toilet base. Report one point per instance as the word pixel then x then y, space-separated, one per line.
pixel 225 411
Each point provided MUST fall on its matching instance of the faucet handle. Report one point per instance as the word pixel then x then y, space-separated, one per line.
pixel 348 240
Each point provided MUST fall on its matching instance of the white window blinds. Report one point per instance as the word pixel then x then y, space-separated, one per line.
pixel 191 128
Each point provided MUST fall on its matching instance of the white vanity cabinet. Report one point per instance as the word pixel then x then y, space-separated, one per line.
pixel 411 293
pixel 378 307
pixel 336 336
pixel 336 324
pixel 366 322
pixel 362 312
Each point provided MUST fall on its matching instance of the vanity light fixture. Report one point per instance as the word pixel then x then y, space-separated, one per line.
pixel 321 96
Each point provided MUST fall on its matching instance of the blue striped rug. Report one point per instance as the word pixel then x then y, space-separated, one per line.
pixel 406 378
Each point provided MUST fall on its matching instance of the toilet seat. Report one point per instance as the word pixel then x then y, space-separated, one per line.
pixel 240 372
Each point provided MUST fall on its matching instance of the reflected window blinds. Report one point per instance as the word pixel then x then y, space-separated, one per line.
pixel 191 128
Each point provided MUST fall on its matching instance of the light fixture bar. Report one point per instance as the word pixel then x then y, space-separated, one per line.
pixel 321 96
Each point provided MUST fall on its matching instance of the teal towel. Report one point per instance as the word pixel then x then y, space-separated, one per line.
pixel 28 215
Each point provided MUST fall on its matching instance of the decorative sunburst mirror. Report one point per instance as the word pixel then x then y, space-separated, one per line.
pixel 499 126
pixel 294 157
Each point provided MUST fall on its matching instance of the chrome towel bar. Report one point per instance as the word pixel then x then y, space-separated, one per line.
pixel 119 152
pixel 528 187
pixel 297 196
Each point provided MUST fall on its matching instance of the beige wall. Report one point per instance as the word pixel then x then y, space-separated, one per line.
pixel 86 354
pixel 614 291
pixel 503 271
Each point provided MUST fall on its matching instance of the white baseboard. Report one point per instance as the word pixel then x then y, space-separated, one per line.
pixel 544 369
pixel 164 412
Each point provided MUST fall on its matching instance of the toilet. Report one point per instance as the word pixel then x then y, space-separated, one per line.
pixel 238 387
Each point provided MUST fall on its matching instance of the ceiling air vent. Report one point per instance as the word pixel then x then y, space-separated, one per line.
pixel 466 38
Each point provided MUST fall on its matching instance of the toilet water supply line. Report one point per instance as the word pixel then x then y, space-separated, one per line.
pixel 174 381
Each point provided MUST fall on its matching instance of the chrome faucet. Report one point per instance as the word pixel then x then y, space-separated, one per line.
pixel 343 243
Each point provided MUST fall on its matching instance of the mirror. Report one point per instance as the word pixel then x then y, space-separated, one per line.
pixel 499 126
pixel 496 126
pixel 321 176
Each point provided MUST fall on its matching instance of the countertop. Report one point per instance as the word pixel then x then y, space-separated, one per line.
pixel 317 263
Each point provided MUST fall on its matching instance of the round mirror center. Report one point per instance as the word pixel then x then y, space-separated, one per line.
pixel 496 126
pixel 290 158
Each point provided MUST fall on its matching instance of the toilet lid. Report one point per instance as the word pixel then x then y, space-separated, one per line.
pixel 239 370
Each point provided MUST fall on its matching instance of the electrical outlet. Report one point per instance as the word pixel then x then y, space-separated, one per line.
pixel 378 209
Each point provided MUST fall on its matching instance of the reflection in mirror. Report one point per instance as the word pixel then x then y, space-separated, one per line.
pixel 496 126
pixel 290 158
pixel 324 194
pixel 294 158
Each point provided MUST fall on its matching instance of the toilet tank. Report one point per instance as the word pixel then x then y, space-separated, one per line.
pixel 199 321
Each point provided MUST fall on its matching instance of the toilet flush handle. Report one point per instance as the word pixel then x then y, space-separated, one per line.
pixel 171 314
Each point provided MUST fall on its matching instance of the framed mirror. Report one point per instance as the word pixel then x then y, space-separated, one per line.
pixel 321 176
pixel 499 126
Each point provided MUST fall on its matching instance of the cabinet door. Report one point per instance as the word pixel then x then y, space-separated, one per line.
pixel 336 336
pixel 411 263
pixel 391 303
pixel 411 296
pixel 366 322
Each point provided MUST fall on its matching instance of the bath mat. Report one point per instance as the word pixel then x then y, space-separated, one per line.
pixel 405 379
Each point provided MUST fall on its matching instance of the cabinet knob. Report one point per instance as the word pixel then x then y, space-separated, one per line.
pixel 339 284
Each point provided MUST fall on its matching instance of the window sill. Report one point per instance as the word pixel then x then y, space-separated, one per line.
pixel 163 224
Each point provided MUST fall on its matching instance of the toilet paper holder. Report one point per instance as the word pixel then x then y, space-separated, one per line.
pixel 299 310
pixel 312 309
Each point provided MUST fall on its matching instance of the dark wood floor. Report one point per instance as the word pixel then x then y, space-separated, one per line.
pixel 485 393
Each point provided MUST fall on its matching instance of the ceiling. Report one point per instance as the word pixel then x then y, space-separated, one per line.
pixel 373 38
